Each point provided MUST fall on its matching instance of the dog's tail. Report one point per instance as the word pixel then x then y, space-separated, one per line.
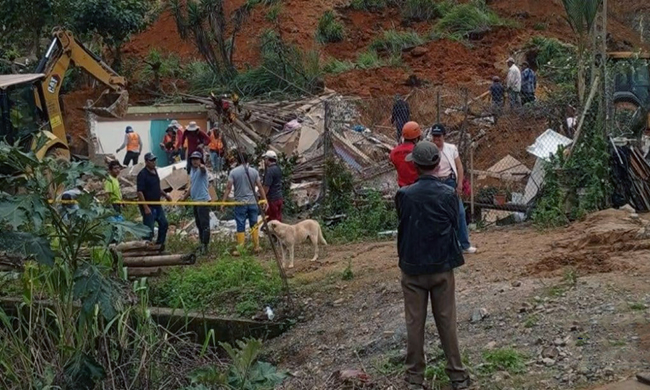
pixel 321 239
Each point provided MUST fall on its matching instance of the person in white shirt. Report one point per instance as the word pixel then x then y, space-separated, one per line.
pixel 513 84
pixel 450 171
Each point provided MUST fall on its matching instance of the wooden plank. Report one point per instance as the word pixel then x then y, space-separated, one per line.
pixel 158 261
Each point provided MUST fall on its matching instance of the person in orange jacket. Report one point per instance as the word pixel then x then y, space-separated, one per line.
pixel 217 148
pixel 133 145
pixel 168 144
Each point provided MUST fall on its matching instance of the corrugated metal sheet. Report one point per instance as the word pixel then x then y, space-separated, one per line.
pixel 12 79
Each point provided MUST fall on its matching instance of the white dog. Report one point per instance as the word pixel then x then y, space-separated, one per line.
pixel 290 235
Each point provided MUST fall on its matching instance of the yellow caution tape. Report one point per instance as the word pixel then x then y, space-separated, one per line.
pixel 163 203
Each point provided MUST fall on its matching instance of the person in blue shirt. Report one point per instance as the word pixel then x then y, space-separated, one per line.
pixel 199 192
pixel 528 84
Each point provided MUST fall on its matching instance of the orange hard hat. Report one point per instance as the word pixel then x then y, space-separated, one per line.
pixel 411 130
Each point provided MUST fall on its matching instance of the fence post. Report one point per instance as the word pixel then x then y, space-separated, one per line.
pixel 471 179
pixel 327 146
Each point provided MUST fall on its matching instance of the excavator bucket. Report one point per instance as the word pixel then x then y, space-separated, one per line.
pixel 111 104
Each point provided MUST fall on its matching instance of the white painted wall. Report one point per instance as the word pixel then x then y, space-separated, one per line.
pixel 111 136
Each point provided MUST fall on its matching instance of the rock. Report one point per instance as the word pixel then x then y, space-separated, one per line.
pixel 559 342
pixel 550 353
pixel 608 371
pixel 516 283
pixel 479 314
pixel 525 307
pixel 419 51
pixel 548 362
pixel 634 216
pixel 491 345
pixel 583 370
pixel 339 301
pixel 628 208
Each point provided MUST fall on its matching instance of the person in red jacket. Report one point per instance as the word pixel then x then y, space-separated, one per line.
pixel 407 174
pixel 196 140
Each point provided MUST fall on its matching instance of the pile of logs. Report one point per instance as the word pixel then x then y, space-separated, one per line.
pixel 141 258
pixel 145 259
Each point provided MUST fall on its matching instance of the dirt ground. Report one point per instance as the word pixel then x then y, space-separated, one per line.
pixel 581 293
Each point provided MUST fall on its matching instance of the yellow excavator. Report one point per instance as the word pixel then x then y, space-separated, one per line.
pixel 631 74
pixel 29 103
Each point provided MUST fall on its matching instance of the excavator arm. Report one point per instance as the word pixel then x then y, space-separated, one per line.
pixel 65 51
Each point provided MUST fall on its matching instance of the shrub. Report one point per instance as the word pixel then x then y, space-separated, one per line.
pixel 274 12
pixel 505 359
pixel 241 284
pixel 201 78
pixel 395 41
pixel 370 5
pixel 554 59
pixel 464 19
pixel 420 10
pixel 337 66
pixel 369 60
pixel 329 29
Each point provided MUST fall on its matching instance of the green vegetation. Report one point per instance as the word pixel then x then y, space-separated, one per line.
pixel 274 13
pixel 329 29
pixel 230 284
pixel 553 59
pixel 369 60
pixel 465 19
pixel 420 10
pixel 571 276
pixel 436 374
pixel 347 272
pixel 582 340
pixel 394 41
pixel 244 372
pixel 638 306
pixel 365 215
pixel 505 359
pixel 531 321
pixel 370 5
pixel 335 66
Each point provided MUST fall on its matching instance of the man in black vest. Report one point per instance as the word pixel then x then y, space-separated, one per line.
pixel 429 251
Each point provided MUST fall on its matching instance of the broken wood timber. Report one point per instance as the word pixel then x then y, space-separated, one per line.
pixel 155 252
pixel 137 272
pixel 249 132
pixel 576 138
pixel 136 245
pixel 158 261
pixel 353 149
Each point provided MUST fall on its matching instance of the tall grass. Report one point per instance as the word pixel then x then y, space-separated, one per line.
pixel 371 5
pixel 420 10
pixel 395 41
pixel 471 17
pixel 329 29
pixel 335 66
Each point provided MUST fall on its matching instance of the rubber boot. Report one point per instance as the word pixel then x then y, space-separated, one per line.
pixel 255 236
pixel 241 240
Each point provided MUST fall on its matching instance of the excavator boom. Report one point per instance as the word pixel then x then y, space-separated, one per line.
pixel 65 51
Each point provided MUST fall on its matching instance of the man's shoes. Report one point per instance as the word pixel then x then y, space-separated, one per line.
pixel 162 248
pixel 470 251
pixel 462 385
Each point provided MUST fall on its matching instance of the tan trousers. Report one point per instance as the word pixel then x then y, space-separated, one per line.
pixel 417 290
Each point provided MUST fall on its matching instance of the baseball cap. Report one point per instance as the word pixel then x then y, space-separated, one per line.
pixel 196 154
pixel 150 157
pixel 425 154
pixel 438 129
pixel 129 129
pixel 270 154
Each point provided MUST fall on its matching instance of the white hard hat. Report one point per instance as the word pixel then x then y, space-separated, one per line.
pixel 271 154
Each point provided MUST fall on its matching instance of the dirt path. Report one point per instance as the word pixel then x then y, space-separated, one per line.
pixel 579 294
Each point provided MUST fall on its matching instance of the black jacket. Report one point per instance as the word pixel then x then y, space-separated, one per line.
pixel 427 238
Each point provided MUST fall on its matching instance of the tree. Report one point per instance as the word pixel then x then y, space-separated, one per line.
pixel 581 15
pixel 113 20
pixel 205 22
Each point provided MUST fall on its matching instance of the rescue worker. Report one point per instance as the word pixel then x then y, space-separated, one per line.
pixel 239 180
pixel 196 140
pixel 113 190
pixel 133 145
pixel 199 192
pixel 407 174
pixel 179 133
pixel 513 84
pixel 217 148
pixel 168 144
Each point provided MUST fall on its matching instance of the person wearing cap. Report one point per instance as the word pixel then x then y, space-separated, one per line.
pixel 273 186
pixel 450 171
pixel 239 180
pixel 217 148
pixel 497 94
pixel 401 114
pixel 148 187
pixel 513 83
pixel 168 144
pixel 196 140
pixel 133 144
pixel 179 133
pixel 407 174
pixel 528 84
pixel 429 251
pixel 112 188
pixel 199 192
